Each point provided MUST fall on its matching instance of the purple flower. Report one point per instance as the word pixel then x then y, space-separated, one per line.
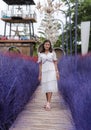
pixel 75 86
pixel 18 81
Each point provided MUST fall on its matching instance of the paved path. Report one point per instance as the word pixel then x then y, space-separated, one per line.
pixel 34 116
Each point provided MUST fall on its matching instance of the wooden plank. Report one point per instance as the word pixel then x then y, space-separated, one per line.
pixel 23 20
pixel 35 117
pixel 18 41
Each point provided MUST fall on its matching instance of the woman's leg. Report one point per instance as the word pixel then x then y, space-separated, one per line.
pixel 48 97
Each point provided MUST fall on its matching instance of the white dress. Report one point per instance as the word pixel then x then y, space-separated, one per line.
pixel 49 80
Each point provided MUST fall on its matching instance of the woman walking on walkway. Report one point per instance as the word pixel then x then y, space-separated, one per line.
pixel 48 71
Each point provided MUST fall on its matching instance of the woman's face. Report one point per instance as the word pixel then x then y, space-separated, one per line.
pixel 47 46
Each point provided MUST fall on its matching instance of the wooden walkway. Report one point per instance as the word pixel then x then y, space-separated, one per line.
pixel 34 116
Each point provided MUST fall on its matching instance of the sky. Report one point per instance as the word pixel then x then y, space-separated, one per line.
pixel 3 6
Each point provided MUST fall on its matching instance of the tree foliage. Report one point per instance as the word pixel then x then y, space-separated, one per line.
pixel 84 14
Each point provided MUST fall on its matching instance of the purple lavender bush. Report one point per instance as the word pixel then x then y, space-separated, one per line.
pixel 18 81
pixel 75 87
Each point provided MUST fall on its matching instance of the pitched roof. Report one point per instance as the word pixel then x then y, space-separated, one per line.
pixel 19 2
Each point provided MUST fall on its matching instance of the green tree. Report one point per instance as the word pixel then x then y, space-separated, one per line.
pixel 84 14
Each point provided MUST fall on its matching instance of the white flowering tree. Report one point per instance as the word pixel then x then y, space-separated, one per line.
pixel 50 26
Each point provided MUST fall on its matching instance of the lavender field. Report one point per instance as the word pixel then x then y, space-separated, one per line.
pixel 75 87
pixel 18 82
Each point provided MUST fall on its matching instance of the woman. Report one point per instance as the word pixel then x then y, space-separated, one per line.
pixel 48 71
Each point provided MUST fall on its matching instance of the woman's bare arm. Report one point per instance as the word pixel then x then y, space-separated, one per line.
pixel 56 69
pixel 40 71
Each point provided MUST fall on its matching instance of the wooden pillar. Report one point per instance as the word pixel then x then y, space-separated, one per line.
pixel 5 29
pixel 10 31
pixel 30 30
pixel 31 49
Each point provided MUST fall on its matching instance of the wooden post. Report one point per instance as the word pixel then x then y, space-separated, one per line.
pixel 10 31
pixel 30 29
pixel 5 29
pixel 31 49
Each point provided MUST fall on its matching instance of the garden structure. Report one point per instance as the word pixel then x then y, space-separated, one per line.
pixel 19 15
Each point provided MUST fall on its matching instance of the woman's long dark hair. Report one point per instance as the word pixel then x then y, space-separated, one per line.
pixel 43 49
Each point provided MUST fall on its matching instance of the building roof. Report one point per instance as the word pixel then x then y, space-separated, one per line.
pixel 19 2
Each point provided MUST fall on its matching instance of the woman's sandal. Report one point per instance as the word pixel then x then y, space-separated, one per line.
pixel 47 107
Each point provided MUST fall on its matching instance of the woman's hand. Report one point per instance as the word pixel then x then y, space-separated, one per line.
pixel 57 75
pixel 40 72
pixel 39 78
